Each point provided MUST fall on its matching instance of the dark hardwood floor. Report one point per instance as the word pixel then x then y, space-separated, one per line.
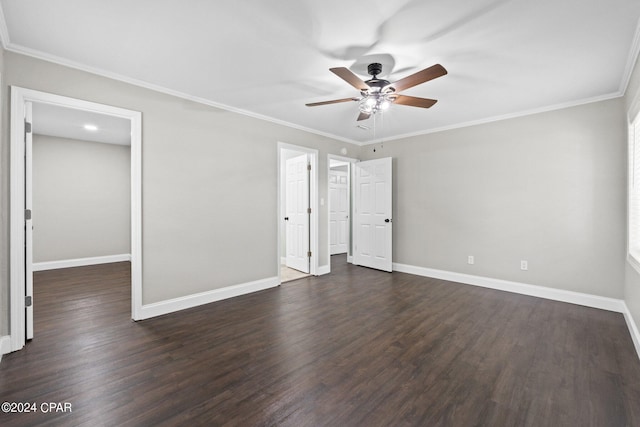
pixel 357 347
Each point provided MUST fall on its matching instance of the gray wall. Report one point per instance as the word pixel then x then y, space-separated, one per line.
pixel 209 181
pixel 81 199
pixel 632 277
pixel 547 188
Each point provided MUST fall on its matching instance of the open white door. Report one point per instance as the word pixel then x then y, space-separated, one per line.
pixel 372 205
pixel 297 213
pixel 28 187
pixel 338 212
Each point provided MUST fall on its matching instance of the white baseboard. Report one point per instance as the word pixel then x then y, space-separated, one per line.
pixel 80 262
pixel 587 300
pixel 350 259
pixel 633 329
pixel 5 345
pixel 324 269
pixel 169 306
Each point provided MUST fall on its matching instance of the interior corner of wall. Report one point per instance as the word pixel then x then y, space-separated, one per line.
pixel 5 345
pixel 633 329
pixel 323 269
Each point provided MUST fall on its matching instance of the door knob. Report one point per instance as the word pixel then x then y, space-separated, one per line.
pixel 387 220
pixel 286 218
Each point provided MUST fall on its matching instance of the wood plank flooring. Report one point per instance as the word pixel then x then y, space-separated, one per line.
pixel 357 347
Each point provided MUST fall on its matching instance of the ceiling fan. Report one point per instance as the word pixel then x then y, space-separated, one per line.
pixel 378 94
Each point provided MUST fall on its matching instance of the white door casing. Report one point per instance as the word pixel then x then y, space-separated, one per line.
pixel 297 214
pixel 338 212
pixel 373 221
pixel 19 268
pixel 28 222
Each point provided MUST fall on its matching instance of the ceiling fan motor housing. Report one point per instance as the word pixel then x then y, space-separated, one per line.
pixel 374 69
pixel 375 84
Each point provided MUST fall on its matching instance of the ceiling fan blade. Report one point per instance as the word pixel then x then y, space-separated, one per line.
pixel 346 75
pixel 412 101
pixel 415 79
pixel 363 116
pixel 334 101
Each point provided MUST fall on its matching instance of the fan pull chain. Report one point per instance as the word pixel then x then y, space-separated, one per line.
pixel 381 129
pixel 374 127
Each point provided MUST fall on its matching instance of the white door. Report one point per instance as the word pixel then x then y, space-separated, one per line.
pixel 372 206
pixel 297 213
pixel 338 212
pixel 28 224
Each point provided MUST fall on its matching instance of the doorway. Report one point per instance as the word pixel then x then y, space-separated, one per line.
pixel 81 190
pixel 339 187
pixel 21 239
pixel 297 212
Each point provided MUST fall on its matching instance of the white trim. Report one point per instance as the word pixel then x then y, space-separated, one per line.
pixel 157 88
pixel 283 260
pixel 633 328
pixel 633 107
pixel 16 228
pixel 350 259
pixel 324 269
pixel 176 304
pixel 588 300
pixel 342 159
pixel 492 119
pixel 5 345
pixel 22 50
pixel 633 263
pixel 80 262
pixel 136 213
pixel 19 96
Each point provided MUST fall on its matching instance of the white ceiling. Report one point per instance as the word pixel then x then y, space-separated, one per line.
pixel 63 122
pixel 268 58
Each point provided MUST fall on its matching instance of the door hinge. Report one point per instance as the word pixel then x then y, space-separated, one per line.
pixel 308 210
pixel 27 127
pixel 309 254
pixel 28 301
pixel 308 166
pixel 27 214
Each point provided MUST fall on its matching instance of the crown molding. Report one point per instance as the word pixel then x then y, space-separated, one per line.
pixel 22 50
pixel 524 113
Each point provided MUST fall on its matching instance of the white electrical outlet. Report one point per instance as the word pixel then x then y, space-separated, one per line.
pixel 470 259
pixel 524 265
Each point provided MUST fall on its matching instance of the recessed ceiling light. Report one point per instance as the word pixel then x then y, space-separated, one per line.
pixel 91 128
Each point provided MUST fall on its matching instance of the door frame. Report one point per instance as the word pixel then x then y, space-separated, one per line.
pixel 313 202
pixel 350 161
pixel 17 259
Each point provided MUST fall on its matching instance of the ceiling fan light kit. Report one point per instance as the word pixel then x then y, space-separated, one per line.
pixel 372 103
pixel 377 95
